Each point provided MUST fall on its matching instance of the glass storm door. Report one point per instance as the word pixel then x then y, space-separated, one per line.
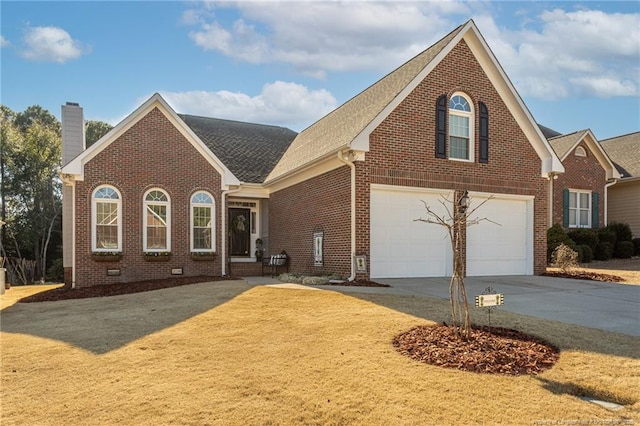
pixel 239 232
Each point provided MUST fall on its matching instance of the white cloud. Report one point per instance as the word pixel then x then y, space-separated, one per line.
pixel 587 52
pixel 316 37
pixel 280 103
pixel 51 44
pixel 550 54
pixel 4 42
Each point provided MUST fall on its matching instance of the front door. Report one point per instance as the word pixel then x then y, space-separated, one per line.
pixel 239 232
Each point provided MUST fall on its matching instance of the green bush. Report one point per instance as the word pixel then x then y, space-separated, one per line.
pixel 603 251
pixel 606 235
pixel 624 249
pixel 585 252
pixel 578 249
pixel 622 231
pixel 556 235
pixel 582 236
pixel 55 273
pixel 636 245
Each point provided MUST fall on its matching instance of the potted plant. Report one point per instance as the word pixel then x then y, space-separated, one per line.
pixel 106 256
pixel 259 250
pixel 157 256
pixel 203 255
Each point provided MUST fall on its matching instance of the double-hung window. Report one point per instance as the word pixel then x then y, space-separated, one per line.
pixel 460 128
pixel 157 221
pixel 579 209
pixel 202 222
pixel 106 228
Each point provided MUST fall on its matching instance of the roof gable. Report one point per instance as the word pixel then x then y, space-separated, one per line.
pixel 349 126
pixel 566 144
pixel 76 166
pixel 249 150
pixel 625 152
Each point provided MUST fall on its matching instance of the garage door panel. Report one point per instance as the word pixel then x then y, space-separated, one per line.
pixel 401 247
pixel 500 248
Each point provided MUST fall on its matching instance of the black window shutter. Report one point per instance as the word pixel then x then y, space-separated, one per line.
pixel 595 210
pixel 565 208
pixel 441 127
pixel 484 133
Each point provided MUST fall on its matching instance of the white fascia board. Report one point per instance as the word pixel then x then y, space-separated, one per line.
pixel 252 190
pixel 76 166
pixel 589 138
pixel 321 166
pixel 483 54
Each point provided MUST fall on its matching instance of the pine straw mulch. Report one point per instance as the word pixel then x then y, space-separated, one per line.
pixel 66 293
pixel 585 275
pixel 492 350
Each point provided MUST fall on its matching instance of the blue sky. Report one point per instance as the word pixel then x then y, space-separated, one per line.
pixel 575 64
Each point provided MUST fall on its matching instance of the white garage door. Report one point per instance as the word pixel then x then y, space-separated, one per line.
pixel 504 249
pixel 401 247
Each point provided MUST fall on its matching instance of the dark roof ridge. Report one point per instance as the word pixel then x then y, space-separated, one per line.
pixel 620 136
pixel 181 115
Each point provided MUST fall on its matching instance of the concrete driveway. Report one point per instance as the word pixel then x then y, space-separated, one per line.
pixel 611 307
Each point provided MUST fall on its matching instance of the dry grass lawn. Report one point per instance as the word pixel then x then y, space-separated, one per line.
pixel 227 353
pixel 628 269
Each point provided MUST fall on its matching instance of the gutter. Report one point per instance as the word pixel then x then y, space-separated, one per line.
pixel 223 229
pixel 606 200
pixel 352 166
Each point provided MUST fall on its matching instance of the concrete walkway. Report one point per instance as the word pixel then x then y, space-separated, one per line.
pixel 605 306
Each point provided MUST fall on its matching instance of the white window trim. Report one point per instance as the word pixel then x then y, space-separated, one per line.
pixel 472 126
pixel 580 152
pixel 580 208
pixel 213 221
pixel 94 219
pixel 144 220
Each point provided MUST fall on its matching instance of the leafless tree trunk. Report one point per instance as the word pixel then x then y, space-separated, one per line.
pixel 455 221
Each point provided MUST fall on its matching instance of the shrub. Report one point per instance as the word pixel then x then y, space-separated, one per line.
pixel 622 231
pixel 578 249
pixel 55 271
pixel 636 245
pixel 583 236
pixel 315 280
pixel 564 257
pixel 606 235
pixel 556 236
pixel 587 253
pixel 624 249
pixel 603 251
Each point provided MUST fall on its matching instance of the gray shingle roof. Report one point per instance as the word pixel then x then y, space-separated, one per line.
pixel 562 144
pixel 340 127
pixel 548 133
pixel 624 151
pixel 250 151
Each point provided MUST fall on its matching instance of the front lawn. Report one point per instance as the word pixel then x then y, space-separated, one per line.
pixel 227 353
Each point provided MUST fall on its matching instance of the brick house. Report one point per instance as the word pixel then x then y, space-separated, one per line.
pixel 339 197
pixel 623 198
pixel 580 194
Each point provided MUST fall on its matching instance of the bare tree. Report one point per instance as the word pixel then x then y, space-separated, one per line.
pixel 455 221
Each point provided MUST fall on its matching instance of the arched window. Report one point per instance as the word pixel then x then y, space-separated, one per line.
pixel 156 221
pixel 106 219
pixel 580 152
pixel 460 128
pixel 203 235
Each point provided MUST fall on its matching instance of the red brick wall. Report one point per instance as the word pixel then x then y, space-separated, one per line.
pixel 323 203
pixel 402 148
pixel 580 173
pixel 152 153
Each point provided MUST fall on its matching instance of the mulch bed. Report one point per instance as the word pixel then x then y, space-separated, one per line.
pixel 66 293
pixel 495 350
pixel 582 275
pixel 360 283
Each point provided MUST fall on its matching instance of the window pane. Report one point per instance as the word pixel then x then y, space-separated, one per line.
pixel 202 227
pixel 584 217
pixel 107 213
pixel 106 192
pixel 572 217
pixel 156 196
pixel 584 201
pixel 156 238
pixel 573 200
pixel 459 126
pixel 202 238
pixel 106 237
pixel 201 198
pixel 156 215
pixel 459 148
pixel 460 103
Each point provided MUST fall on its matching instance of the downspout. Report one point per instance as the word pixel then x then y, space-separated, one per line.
pixel 224 228
pixel 551 177
pixel 352 166
pixel 73 235
pixel 606 200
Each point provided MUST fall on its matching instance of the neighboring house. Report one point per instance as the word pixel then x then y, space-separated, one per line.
pixel 623 204
pixel 340 197
pixel 579 194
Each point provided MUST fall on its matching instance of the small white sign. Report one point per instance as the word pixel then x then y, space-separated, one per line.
pixel 485 300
